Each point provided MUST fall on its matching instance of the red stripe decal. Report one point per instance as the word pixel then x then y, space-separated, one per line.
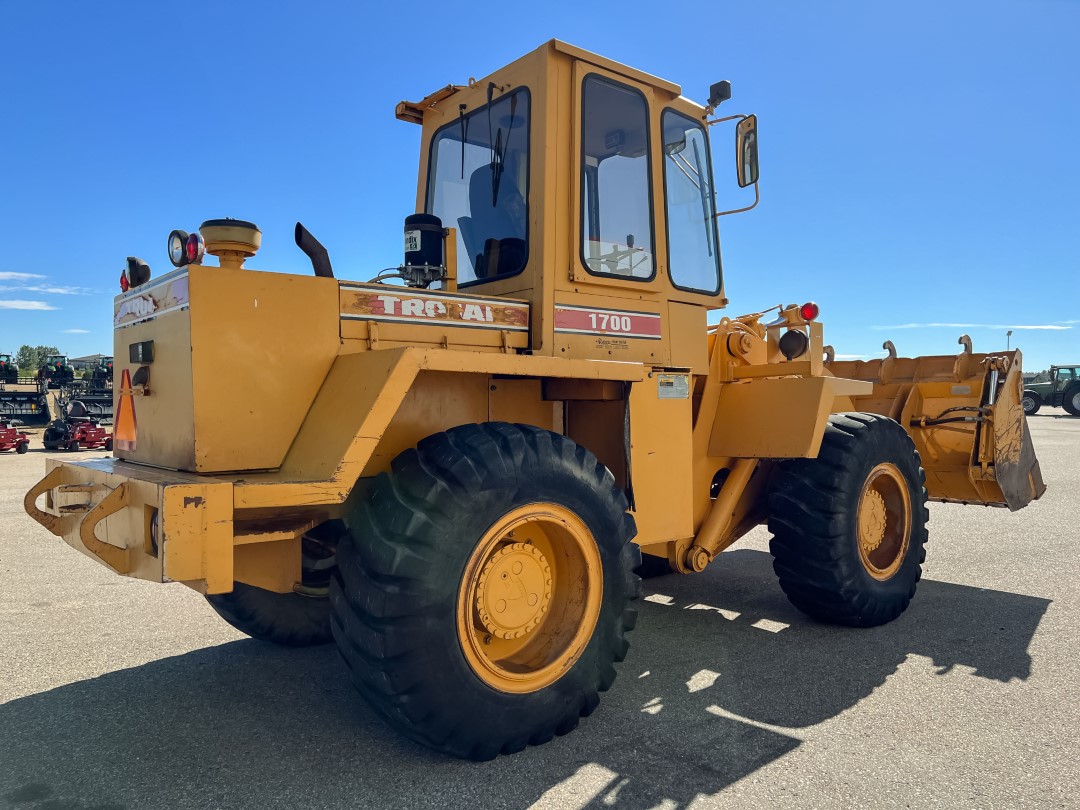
pixel 590 321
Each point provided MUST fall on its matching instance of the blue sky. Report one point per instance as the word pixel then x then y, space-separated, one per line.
pixel 921 167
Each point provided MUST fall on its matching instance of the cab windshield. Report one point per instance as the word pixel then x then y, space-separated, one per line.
pixel 478 183
pixel 693 248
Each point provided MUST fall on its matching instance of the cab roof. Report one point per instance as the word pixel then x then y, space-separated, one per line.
pixel 413 111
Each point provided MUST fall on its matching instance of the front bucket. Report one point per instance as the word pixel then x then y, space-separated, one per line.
pixel 963 413
pixel 1017 469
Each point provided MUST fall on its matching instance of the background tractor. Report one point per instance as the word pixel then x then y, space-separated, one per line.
pixel 94 391
pixel 9 370
pixel 453 469
pixel 56 370
pixel 22 397
pixel 1062 390
pixel 101 375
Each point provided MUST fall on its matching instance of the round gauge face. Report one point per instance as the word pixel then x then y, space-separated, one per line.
pixel 177 242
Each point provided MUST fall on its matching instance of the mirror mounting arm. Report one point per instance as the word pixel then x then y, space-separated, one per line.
pixel 739 117
pixel 757 199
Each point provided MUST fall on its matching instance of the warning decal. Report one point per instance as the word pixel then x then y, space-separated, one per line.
pixel 167 294
pixel 124 427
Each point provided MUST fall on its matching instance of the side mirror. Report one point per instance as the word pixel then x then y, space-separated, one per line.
pixel 746 157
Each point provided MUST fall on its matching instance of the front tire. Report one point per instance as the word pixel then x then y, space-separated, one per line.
pixel 1031 402
pixel 22 447
pixel 484 593
pixel 849 527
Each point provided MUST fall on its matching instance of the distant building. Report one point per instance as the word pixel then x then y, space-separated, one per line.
pixel 83 363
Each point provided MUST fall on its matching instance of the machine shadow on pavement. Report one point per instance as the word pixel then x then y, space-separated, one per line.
pixel 249 724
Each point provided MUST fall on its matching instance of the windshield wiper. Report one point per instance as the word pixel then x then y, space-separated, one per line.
pixel 464 135
pixel 701 191
pixel 498 150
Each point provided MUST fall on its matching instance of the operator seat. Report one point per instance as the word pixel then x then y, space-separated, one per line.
pixel 77 412
pixel 494 241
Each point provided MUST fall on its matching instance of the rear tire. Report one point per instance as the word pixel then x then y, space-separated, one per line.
pixel 1070 400
pixel 446 551
pixel 1031 402
pixel 288 619
pixel 849 527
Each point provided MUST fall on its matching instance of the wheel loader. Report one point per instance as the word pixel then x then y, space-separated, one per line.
pixel 454 469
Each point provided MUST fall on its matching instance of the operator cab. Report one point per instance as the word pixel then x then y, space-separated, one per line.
pixel 584 187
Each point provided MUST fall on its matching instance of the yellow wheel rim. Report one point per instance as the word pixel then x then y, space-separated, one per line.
pixel 884 521
pixel 530 598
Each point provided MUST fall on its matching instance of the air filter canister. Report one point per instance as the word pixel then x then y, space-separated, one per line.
pixel 423 240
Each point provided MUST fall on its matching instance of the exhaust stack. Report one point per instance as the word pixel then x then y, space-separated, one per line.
pixel 320 258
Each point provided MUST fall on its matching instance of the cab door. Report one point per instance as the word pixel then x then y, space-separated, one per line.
pixel 1063 378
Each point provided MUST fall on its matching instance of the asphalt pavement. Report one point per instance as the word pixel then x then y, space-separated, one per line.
pixel 123 694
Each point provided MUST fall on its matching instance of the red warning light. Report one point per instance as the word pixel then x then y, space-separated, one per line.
pixel 194 249
pixel 809 311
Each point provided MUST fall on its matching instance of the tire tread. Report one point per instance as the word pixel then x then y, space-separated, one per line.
pixel 813 505
pixel 383 603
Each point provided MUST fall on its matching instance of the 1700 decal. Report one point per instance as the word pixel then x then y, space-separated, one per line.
pixel 621 323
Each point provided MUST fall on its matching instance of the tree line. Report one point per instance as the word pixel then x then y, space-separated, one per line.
pixel 30 358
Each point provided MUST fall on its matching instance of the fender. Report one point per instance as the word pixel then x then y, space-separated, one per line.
pixel 358 399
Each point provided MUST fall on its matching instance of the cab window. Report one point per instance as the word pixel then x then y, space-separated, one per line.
pixel 693 253
pixel 478 183
pixel 616 194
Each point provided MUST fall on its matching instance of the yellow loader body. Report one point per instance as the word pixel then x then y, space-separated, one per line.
pixel 464 469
